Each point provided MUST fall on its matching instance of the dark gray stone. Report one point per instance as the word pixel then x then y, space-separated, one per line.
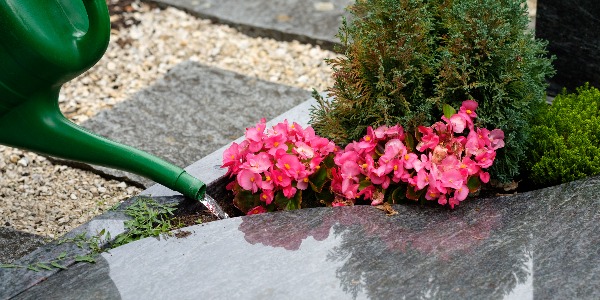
pixel 191 112
pixel 543 244
pixel 307 21
pixel 572 28
pixel 14 244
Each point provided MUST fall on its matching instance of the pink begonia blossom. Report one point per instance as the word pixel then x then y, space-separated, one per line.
pixel 429 140
pixel 468 107
pixel 449 153
pixel 257 163
pixel 249 180
pixel 458 123
pixel 232 158
pixel 496 138
pixel 303 150
pixel 257 210
pixel 275 161
pixel 267 196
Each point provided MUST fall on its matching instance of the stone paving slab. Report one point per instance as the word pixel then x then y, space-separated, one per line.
pixel 190 113
pixel 307 21
pixel 537 245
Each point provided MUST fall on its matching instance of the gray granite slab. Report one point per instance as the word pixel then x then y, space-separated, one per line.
pixel 307 21
pixel 543 244
pixel 572 29
pixel 14 244
pixel 191 112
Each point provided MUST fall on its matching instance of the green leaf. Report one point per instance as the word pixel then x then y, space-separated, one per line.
pixel 280 200
pixel 295 202
pixel 329 162
pixel 62 255
pixel 318 179
pixel 474 183
pixel 325 197
pixel 399 194
pixel 8 266
pixel 57 265
pixel 43 266
pixel 245 201
pixel 32 268
pixel 410 142
pixel 85 258
pixel 363 184
pixel 412 194
pixel 449 111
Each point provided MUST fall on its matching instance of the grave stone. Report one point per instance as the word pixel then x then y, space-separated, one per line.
pixel 540 244
pixel 572 28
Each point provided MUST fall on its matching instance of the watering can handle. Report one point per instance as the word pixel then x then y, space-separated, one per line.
pixel 93 44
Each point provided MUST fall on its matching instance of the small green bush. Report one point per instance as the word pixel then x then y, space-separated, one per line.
pixel 566 138
pixel 404 59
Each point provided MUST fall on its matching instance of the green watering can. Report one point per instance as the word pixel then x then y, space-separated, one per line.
pixel 44 44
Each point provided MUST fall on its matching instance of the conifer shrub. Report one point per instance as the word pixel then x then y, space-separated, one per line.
pixel 404 59
pixel 566 138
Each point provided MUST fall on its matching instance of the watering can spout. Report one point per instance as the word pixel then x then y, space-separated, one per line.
pixel 39 126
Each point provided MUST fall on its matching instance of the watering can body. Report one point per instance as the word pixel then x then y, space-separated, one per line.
pixel 44 44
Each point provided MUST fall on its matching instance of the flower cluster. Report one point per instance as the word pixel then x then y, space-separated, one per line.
pixel 275 164
pixel 443 162
pixel 443 166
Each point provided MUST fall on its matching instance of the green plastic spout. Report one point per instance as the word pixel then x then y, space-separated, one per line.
pixel 43 44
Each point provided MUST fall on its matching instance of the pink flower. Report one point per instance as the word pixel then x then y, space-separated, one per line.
pixel 257 210
pixel 468 107
pixel 267 196
pixel 290 165
pixel 429 140
pixel 368 142
pixel 257 163
pixel 452 179
pixel 485 159
pixel 281 179
pixel 303 150
pixel 232 158
pixel 484 177
pixel 461 193
pixel 458 122
pixel 249 180
pixel 496 139
pixel 410 160
pixel 289 191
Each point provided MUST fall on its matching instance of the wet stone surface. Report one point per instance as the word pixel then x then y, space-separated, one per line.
pixel 541 244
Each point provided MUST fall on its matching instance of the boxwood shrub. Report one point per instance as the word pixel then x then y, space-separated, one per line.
pixel 565 140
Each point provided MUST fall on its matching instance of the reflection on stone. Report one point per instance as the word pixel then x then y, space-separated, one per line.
pixel 508 247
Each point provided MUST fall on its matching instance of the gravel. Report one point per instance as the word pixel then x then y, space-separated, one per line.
pixel 40 197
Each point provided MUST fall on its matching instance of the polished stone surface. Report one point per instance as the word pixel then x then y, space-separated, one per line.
pixel 192 111
pixel 15 280
pixel 307 21
pixel 543 244
pixel 572 28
